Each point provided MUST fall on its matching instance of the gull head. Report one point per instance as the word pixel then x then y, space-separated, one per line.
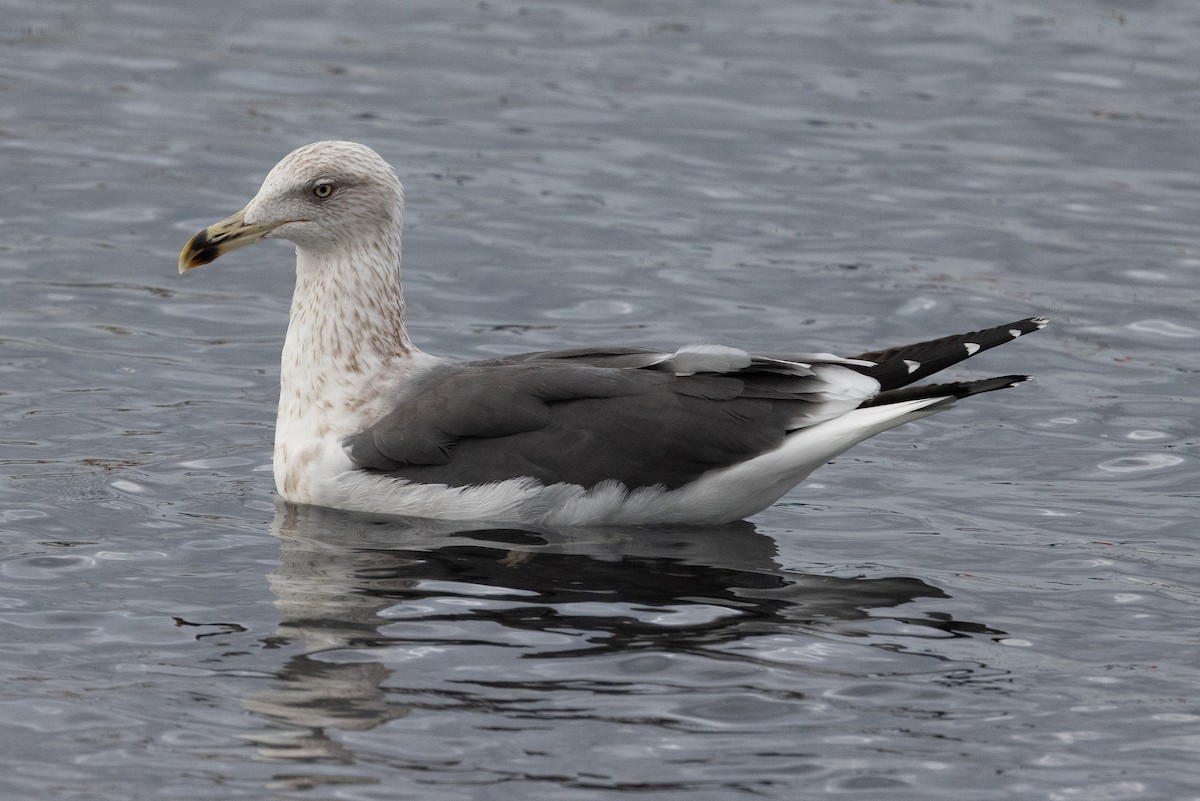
pixel 324 197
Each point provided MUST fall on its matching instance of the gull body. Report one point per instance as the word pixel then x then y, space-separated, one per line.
pixel 592 436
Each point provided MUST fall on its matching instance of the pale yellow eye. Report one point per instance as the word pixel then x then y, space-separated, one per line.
pixel 323 190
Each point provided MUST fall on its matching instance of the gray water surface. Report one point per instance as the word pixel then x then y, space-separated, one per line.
pixel 999 602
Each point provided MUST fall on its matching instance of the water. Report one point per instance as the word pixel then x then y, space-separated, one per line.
pixel 997 603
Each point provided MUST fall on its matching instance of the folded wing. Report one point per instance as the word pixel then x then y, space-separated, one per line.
pixel 642 417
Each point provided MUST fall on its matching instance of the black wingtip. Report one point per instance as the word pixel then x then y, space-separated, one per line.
pixel 901 366
pixel 954 389
pixel 1028 326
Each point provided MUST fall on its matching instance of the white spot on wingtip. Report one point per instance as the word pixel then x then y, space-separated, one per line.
pixel 972 348
pixel 1014 333
pixel 912 366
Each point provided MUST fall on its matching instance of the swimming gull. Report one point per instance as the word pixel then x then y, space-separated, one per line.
pixel 589 436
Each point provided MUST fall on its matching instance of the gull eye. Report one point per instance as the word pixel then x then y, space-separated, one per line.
pixel 323 190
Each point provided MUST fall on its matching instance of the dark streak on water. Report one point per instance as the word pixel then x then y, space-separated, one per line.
pixel 997 603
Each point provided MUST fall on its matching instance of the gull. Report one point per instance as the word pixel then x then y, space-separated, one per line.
pixel 601 435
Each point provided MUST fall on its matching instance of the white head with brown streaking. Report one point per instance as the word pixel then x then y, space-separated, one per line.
pixel 325 197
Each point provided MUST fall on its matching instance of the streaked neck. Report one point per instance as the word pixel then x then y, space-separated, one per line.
pixel 346 324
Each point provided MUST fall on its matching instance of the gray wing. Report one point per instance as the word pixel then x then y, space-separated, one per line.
pixel 585 416
pixel 643 417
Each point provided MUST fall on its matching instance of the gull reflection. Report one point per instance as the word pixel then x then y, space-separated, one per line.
pixel 351 586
